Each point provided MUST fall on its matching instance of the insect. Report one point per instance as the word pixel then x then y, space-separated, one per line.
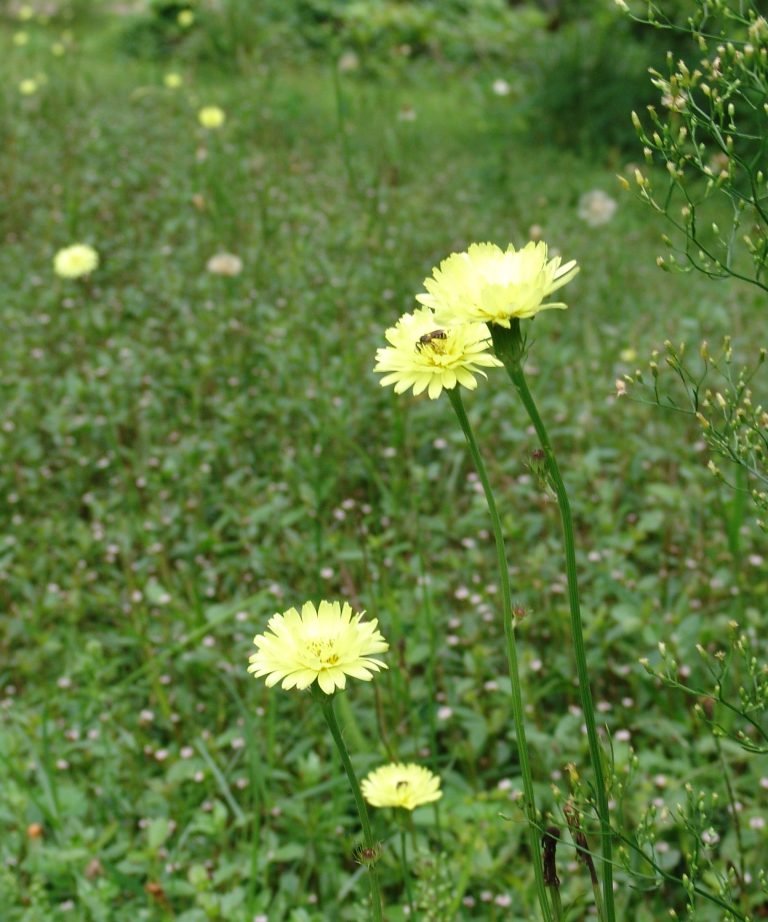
pixel 428 338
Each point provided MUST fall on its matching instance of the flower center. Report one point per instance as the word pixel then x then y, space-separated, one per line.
pixel 324 651
pixel 401 784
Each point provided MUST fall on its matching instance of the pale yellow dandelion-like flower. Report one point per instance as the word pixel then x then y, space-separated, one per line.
pixel 28 87
pixel 75 261
pixel 490 285
pixel 225 264
pixel 25 13
pixel 401 785
pixel 173 80
pixel 185 19
pixel 427 357
pixel 324 644
pixel 596 207
pixel 20 39
pixel 211 117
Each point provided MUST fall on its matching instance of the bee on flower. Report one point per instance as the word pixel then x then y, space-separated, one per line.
pixel 401 785
pixel 427 357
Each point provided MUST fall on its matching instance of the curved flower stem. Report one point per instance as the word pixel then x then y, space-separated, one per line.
pixel 326 705
pixel 510 349
pixel 509 635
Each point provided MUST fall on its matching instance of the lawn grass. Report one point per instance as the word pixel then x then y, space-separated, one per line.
pixel 185 454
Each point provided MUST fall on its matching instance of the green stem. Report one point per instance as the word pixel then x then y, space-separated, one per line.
pixel 509 635
pixel 406 872
pixel 326 704
pixel 557 904
pixel 510 348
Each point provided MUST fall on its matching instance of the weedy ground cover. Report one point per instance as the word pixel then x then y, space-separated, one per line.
pixel 188 447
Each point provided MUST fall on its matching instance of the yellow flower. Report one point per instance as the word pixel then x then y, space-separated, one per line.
pixel 28 87
pixel 327 644
pixel 25 13
pixel 185 18
pixel 211 117
pixel 427 357
pixel 492 285
pixel 173 81
pixel 20 39
pixel 75 261
pixel 401 785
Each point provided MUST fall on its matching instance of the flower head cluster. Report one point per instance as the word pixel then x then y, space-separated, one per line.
pixel 489 285
pixel 427 357
pixel 75 261
pixel 324 644
pixel 401 785
pixel 211 117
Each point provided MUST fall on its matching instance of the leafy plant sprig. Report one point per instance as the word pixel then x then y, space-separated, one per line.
pixel 708 135
pixel 738 688
pixel 720 397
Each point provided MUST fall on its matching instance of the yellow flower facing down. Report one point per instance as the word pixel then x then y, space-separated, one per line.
pixel 324 644
pixel 490 285
pixel 75 261
pixel 28 87
pixel 427 357
pixel 173 80
pixel 211 117
pixel 185 19
pixel 401 785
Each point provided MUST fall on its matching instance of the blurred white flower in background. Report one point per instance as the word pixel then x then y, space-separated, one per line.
pixel 501 87
pixel 597 207
pixel 224 264
pixel 349 61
